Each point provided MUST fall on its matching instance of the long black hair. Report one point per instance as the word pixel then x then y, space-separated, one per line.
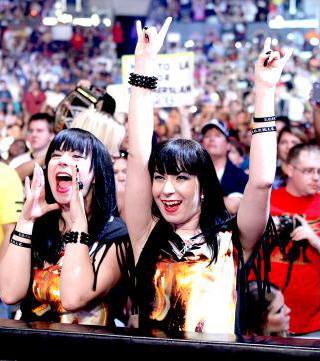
pixel 184 155
pixel 46 236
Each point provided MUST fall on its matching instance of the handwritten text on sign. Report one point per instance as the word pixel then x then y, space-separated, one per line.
pixel 176 78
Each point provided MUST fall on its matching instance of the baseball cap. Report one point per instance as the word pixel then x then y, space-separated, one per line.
pixel 215 123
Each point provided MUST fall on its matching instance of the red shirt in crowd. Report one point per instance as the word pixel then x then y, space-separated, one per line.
pixel 302 294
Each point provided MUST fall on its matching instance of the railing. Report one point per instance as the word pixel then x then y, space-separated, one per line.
pixel 39 340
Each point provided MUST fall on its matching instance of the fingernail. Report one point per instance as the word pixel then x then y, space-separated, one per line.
pixel 77 168
pixel 268 52
pixel 80 184
pixel 145 28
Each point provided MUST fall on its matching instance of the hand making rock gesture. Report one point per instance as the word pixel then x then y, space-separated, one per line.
pixel 150 40
pixel 270 64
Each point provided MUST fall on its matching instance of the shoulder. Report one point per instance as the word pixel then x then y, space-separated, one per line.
pixel 9 177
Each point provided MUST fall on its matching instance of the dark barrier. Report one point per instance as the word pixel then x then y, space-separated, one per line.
pixel 39 340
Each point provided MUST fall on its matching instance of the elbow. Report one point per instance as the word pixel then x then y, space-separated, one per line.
pixel 263 185
pixel 10 298
pixel 72 303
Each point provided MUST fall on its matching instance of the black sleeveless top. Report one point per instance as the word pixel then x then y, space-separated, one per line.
pixel 179 289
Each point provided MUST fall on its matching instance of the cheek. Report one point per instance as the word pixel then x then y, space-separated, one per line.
pixel 86 178
pixel 51 177
pixel 155 190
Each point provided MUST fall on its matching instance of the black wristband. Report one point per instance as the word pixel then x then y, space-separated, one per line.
pixel 72 237
pixel 263 130
pixel 265 119
pixel 20 244
pixel 143 81
pixel 22 235
pixel 85 238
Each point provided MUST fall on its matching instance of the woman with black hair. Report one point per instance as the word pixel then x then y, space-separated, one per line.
pixel 62 257
pixel 188 252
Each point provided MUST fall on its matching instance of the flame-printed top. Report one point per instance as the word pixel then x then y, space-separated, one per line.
pixel 43 302
pixel 46 291
pixel 46 301
pixel 186 292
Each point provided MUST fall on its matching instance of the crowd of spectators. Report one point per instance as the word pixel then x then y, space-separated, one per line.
pixel 38 69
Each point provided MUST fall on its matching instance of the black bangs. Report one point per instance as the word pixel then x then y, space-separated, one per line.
pixel 175 156
pixel 73 139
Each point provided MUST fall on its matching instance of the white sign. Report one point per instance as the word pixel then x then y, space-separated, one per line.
pixel 176 78
pixel 120 93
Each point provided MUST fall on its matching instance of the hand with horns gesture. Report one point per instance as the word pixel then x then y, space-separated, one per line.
pixel 149 44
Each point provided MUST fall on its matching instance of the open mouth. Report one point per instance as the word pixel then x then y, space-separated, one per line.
pixel 64 182
pixel 171 206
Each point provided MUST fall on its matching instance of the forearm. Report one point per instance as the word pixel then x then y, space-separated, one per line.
pixel 254 207
pixel 263 150
pixel 141 114
pixel 15 266
pixel 76 277
pixel 185 127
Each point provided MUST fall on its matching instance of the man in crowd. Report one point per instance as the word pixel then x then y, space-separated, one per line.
pixel 296 269
pixel 40 134
pixel 233 179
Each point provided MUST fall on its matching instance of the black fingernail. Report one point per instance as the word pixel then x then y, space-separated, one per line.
pixel 77 168
pixel 268 52
pixel 80 184
pixel 145 28
pixel 265 63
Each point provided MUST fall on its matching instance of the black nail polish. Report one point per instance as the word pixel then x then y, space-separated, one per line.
pixel 145 28
pixel 80 184
pixel 77 168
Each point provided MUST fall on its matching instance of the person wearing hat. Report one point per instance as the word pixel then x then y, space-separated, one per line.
pixel 233 179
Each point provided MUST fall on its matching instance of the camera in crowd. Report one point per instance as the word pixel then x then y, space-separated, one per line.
pixel 291 252
pixel 285 225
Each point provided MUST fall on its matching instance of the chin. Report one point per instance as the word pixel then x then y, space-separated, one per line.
pixel 62 199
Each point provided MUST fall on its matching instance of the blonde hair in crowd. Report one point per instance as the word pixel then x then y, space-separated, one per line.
pixel 103 126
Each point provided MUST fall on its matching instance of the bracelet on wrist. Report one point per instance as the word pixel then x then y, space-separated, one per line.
pixel 22 235
pixel 72 237
pixel 263 130
pixel 20 244
pixel 273 118
pixel 143 81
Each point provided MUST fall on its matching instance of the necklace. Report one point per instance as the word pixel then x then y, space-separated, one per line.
pixel 190 242
pixel 181 246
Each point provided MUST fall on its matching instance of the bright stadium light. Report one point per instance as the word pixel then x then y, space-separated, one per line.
pixel 279 23
pixel 107 22
pixel 49 21
pixel 87 22
pixel 65 18
pixel 314 41
pixel 95 19
pixel 189 44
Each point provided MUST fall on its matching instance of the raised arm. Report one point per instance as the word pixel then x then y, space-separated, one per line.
pixel 138 196
pixel 254 207
pixel 77 275
pixel 15 261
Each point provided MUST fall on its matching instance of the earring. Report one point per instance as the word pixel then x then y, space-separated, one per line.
pixel 202 197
